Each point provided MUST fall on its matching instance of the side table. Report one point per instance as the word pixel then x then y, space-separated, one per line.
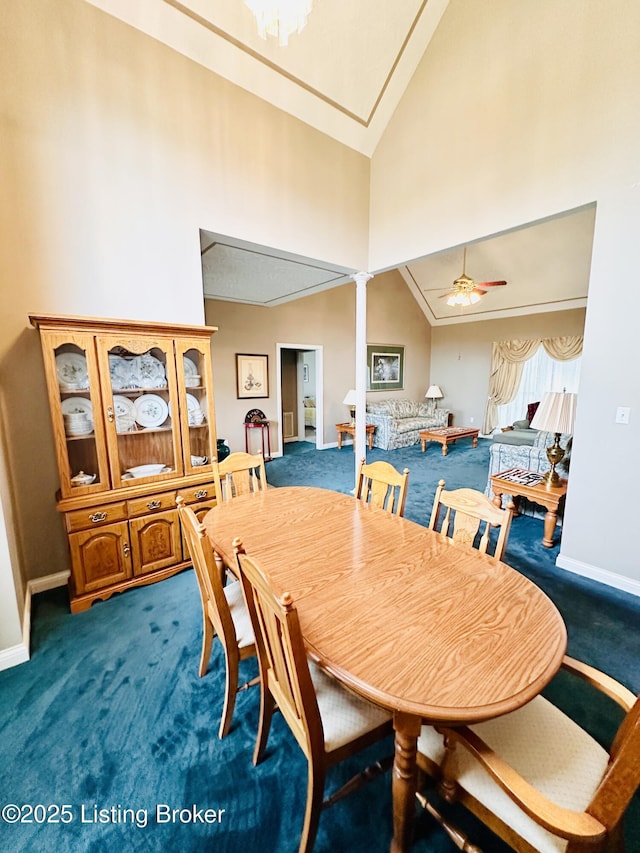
pixel 263 426
pixel 351 430
pixel 520 482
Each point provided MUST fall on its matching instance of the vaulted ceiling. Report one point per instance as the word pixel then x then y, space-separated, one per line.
pixel 344 74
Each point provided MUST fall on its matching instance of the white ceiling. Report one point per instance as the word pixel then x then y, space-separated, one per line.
pixel 236 271
pixel 344 74
pixel 546 266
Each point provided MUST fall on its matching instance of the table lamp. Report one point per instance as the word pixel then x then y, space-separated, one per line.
pixel 556 413
pixel 350 400
pixel 433 393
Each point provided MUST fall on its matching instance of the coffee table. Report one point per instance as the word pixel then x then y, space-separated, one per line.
pixel 447 435
pixel 351 430
pixel 520 482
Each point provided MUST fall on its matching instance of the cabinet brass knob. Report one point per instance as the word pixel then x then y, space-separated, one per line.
pixel 126 549
pixel 154 504
pixel 97 516
pixel 110 414
pixel 201 493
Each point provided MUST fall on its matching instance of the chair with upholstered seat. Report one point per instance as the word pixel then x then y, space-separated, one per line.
pixel 329 722
pixel 223 612
pixel 466 509
pixel 239 474
pixel 536 778
pixel 381 485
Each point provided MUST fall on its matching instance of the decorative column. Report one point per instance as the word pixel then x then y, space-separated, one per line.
pixel 361 279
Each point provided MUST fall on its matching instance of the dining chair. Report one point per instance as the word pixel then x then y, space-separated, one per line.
pixel 328 721
pixel 224 613
pixel 466 509
pixel 536 778
pixel 239 474
pixel 381 485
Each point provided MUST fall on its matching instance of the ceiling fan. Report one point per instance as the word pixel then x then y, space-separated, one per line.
pixel 465 291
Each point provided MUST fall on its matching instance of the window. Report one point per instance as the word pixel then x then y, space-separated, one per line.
pixel 539 374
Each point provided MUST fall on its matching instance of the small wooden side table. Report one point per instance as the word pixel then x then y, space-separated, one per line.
pixel 520 482
pixel 351 430
pixel 261 425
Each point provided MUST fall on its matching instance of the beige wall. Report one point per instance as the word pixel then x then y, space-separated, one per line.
pixel 115 152
pixel 461 356
pixel 326 319
pixel 544 119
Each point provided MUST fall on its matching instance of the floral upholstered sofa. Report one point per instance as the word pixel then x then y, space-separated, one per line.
pixel 533 458
pixel 398 422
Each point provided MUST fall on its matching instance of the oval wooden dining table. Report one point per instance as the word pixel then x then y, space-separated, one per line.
pixel 435 632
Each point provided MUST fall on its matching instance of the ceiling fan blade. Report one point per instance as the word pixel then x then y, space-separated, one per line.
pixel 490 283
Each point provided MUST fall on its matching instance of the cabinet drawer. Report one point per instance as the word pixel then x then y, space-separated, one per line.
pixel 152 503
pixel 205 492
pixel 95 516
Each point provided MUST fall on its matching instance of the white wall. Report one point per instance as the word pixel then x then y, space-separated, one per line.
pixel 519 111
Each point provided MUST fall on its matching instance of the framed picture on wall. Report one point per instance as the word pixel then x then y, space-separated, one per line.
pixel 385 365
pixel 252 376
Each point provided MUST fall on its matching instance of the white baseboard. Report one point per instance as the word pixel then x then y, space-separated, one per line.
pixel 13 656
pixel 20 653
pixel 595 573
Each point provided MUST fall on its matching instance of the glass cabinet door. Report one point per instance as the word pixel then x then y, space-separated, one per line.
pixel 141 409
pixel 71 365
pixel 195 387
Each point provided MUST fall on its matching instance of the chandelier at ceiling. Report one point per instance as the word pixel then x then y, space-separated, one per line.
pixel 280 18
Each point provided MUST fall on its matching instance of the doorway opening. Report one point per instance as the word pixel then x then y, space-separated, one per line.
pixel 299 389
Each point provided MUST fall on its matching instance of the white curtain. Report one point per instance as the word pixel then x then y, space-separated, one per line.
pixel 507 360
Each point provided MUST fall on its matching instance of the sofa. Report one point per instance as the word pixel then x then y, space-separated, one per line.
pixel 532 457
pixel 519 433
pixel 398 422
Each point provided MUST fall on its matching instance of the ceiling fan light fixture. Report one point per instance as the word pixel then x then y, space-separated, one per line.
pixel 280 18
pixel 459 299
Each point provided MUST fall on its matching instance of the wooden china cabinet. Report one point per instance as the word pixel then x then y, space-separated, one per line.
pixel 134 427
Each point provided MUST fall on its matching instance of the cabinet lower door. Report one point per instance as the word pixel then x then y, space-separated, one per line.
pixel 155 542
pixel 100 557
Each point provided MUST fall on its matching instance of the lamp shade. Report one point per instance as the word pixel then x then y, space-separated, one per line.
pixel 556 412
pixel 350 399
pixel 434 392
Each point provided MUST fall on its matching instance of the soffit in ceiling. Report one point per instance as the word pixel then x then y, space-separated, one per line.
pixel 546 265
pixel 344 74
pixel 236 271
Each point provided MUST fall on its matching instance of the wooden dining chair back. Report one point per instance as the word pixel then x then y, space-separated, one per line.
pixel 381 485
pixel 466 511
pixel 328 722
pixel 239 474
pixel 539 780
pixel 224 612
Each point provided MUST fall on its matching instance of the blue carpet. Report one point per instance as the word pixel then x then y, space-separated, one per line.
pixel 110 714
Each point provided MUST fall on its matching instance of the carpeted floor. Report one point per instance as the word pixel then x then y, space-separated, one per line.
pixel 110 715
